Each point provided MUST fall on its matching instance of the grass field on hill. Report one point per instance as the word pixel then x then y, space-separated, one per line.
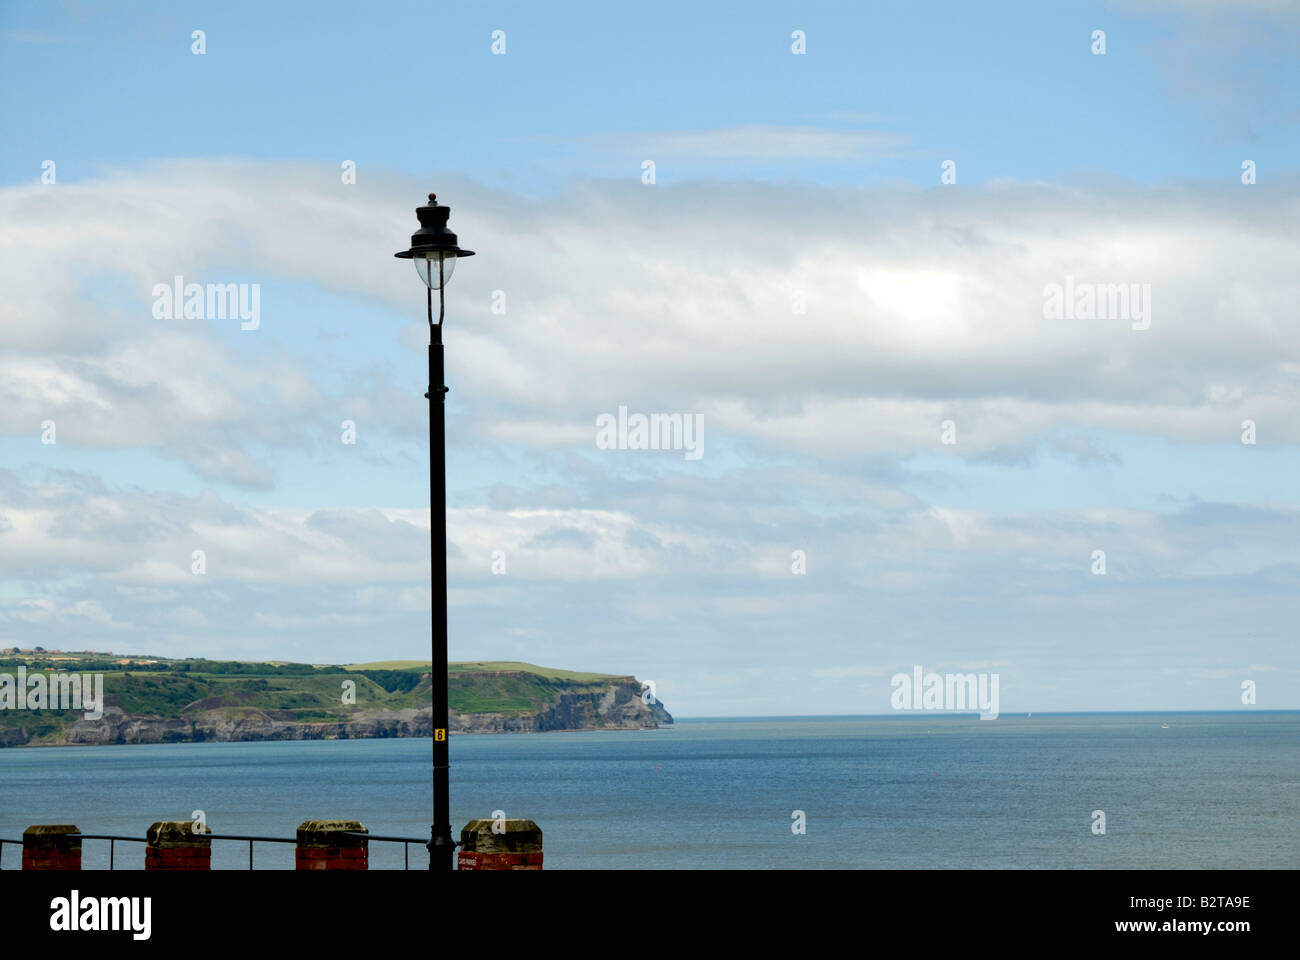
pixel 489 666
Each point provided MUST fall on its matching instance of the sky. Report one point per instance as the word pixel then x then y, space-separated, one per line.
pixel 828 233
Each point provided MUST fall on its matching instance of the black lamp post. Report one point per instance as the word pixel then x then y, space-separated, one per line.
pixel 434 250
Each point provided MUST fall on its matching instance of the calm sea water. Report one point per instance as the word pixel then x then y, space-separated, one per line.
pixel 1211 791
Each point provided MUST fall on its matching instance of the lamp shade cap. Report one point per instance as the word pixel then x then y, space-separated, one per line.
pixel 434 236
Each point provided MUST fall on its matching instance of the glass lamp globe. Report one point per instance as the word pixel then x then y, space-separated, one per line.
pixel 435 268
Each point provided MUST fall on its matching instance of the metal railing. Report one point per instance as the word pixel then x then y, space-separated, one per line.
pixel 112 841
pixel 405 841
pixel 114 838
pixel 3 841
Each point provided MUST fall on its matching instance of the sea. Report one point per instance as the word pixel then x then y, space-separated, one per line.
pixel 913 791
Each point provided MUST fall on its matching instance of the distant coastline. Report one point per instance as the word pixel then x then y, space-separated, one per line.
pixel 149 699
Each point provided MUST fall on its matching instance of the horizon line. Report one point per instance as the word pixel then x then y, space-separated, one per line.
pixel 952 714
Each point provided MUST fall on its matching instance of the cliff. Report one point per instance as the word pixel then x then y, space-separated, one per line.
pixel 208 703
pixel 615 705
pixel 246 724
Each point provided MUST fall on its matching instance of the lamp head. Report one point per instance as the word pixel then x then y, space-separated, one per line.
pixel 434 247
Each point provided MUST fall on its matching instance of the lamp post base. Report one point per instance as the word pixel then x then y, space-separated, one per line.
pixel 442 850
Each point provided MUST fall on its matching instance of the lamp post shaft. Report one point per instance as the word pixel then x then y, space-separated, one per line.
pixel 434 245
pixel 441 846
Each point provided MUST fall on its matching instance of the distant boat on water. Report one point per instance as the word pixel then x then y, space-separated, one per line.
pixel 1164 726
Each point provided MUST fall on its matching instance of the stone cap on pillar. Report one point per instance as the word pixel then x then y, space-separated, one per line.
pixel 176 833
pixel 510 836
pixel 331 833
pixel 62 836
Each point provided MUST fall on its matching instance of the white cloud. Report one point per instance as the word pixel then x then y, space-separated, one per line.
pixel 920 306
pixel 753 142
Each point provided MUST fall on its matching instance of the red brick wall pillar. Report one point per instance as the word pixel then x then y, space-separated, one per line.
pixel 325 845
pixel 500 845
pixel 52 847
pixel 173 845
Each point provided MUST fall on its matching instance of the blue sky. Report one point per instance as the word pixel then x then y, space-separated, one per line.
pixel 778 178
pixel 1005 90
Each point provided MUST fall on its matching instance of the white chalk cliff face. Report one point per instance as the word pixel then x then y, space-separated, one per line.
pixel 619 706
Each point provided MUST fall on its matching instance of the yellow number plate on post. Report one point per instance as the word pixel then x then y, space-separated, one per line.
pixel 440 734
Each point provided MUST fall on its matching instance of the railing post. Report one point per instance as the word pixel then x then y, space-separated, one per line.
pixel 173 845
pixel 52 847
pixel 325 845
pixel 500 845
